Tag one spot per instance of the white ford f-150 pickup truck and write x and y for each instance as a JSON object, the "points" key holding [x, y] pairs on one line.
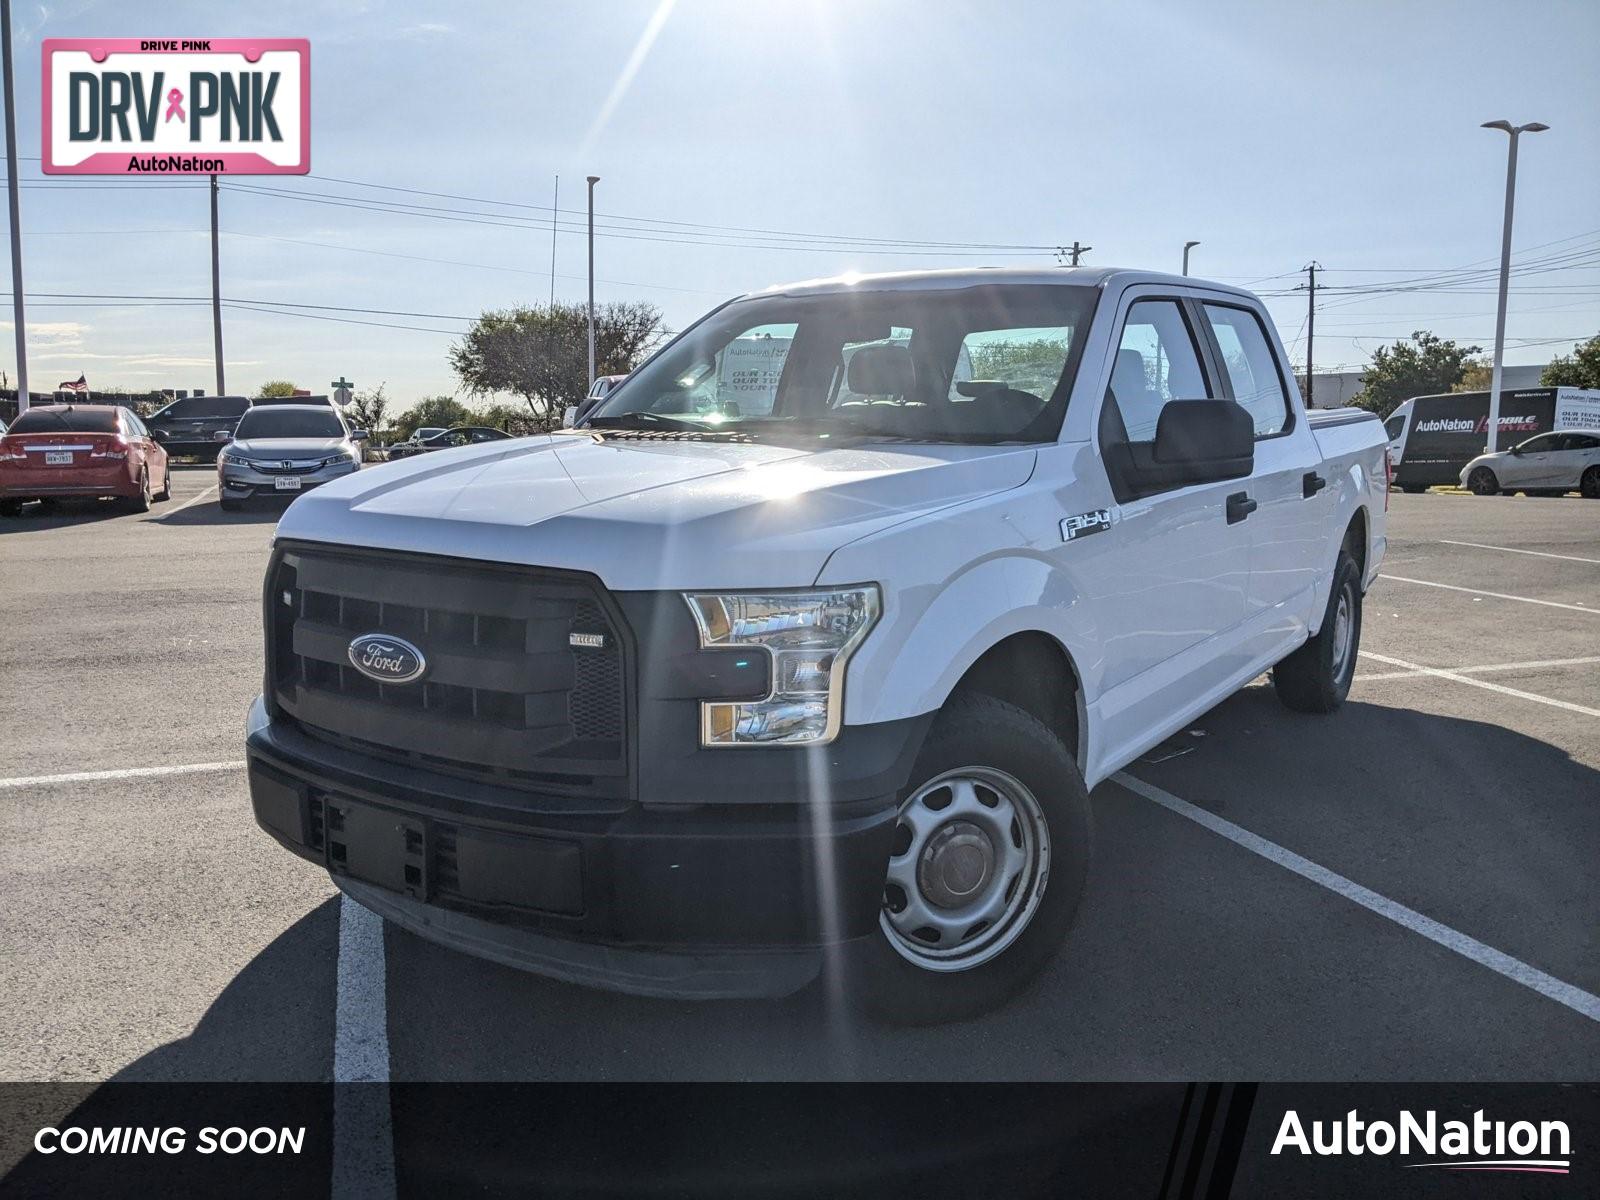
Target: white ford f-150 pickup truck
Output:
{"points": [[801, 652]]}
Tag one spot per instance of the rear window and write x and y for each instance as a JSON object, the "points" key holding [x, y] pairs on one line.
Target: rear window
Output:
{"points": [[73, 420], [289, 423], [202, 407]]}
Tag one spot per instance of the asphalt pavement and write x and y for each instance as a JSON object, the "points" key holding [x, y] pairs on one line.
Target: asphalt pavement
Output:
{"points": [[1405, 890]]}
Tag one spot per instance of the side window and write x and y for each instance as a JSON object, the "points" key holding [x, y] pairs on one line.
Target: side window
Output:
{"points": [[1394, 427], [1251, 367], [1156, 362], [1025, 360], [1582, 441], [135, 425]]}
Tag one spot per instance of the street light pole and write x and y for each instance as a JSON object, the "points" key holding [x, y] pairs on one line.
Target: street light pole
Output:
{"points": [[216, 293], [1187, 246], [18, 316], [1505, 269], [593, 179]]}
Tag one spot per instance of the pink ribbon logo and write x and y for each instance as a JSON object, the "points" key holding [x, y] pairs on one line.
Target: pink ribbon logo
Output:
{"points": [[175, 106]]}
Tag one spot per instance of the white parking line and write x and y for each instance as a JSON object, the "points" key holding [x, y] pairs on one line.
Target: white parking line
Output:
{"points": [[1450, 587], [1534, 665], [1441, 673], [1583, 1003], [363, 1136], [22, 781], [1515, 550], [189, 503]]}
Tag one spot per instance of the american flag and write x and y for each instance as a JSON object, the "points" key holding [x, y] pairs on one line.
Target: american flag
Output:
{"points": [[78, 385]]}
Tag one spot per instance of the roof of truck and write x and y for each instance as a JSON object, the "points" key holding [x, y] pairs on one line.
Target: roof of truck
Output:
{"points": [[960, 277]]}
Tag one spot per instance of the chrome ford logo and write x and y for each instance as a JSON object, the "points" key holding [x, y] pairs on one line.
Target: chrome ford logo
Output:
{"points": [[387, 659]]}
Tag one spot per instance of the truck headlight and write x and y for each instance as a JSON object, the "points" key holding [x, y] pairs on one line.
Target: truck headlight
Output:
{"points": [[809, 636]]}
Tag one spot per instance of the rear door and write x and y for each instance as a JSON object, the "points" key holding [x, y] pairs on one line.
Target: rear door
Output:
{"points": [[1579, 452], [1289, 485]]}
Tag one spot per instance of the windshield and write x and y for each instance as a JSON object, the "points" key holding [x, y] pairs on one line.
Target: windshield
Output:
{"points": [[982, 364], [289, 423], [66, 420]]}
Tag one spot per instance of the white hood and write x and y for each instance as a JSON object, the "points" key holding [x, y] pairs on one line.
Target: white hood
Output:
{"points": [[644, 515]]}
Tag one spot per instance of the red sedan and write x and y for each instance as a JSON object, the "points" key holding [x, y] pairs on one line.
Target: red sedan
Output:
{"points": [[85, 450]]}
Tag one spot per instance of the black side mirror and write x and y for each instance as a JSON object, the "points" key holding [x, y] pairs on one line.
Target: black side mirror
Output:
{"points": [[1517, 450], [1197, 441]]}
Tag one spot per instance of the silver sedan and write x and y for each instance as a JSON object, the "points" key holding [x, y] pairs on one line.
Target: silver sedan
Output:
{"points": [[285, 449], [1557, 462]]}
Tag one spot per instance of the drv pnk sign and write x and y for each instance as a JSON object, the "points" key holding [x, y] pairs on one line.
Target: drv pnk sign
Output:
{"points": [[149, 106]]}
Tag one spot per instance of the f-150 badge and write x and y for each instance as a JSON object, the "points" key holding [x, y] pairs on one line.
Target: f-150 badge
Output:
{"points": [[1082, 525]]}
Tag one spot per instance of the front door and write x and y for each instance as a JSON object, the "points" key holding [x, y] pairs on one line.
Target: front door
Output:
{"points": [[1167, 586]]}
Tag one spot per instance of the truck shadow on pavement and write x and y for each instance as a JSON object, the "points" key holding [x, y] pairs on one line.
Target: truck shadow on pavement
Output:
{"points": [[1469, 809], [272, 1023], [211, 513]]}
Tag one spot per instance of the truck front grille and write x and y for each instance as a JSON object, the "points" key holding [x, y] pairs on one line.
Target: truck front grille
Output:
{"points": [[527, 675]]}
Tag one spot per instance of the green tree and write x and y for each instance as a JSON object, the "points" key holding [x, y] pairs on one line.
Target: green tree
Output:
{"points": [[1580, 369], [1475, 377], [542, 353], [368, 408], [439, 411], [1423, 365], [276, 389]]}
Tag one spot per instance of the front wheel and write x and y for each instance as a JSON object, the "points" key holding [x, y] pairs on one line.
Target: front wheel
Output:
{"points": [[1483, 482], [1316, 678], [989, 861], [166, 485], [1589, 485]]}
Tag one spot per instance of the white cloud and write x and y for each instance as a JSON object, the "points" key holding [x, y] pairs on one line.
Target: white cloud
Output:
{"points": [[52, 333]]}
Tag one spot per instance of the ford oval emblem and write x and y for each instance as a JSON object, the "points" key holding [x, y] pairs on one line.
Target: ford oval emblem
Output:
{"points": [[387, 659]]}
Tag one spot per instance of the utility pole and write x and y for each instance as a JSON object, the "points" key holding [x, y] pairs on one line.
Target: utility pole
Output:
{"points": [[1311, 323], [216, 291], [593, 179], [555, 215], [1187, 246], [18, 315], [1505, 269], [1076, 251]]}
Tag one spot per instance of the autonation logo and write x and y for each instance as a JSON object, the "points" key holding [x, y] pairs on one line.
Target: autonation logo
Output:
{"points": [[1478, 1145]]}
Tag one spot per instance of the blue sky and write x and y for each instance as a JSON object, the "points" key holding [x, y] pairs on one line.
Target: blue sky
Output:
{"points": [[1272, 133]]}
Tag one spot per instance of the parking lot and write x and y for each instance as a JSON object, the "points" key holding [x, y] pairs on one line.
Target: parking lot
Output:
{"points": [[1404, 891]]}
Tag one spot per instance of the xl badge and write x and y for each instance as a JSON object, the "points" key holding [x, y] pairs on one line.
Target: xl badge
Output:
{"points": [[1083, 524], [387, 659]]}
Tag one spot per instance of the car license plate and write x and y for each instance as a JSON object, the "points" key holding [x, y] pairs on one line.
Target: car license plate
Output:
{"points": [[289, 484], [59, 458]]}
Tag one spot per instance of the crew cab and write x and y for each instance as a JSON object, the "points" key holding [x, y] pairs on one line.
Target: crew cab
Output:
{"points": [[755, 676]]}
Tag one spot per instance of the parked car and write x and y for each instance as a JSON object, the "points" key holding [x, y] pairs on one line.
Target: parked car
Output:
{"points": [[446, 439], [407, 446], [1550, 464], [690, 705], [197, 425], [286, 449], [81, 450]]}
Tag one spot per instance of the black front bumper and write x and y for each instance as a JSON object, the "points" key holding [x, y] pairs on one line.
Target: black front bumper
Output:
{"points": [[711, 900]]}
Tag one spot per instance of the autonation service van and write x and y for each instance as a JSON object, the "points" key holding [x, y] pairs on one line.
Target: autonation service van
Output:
{"points": [[1431, 438]]}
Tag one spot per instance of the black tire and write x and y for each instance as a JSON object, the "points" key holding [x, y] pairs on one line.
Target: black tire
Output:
{"points": [[11, 508], [1413, 489], [1483, 482], [1589, 485], [976, 731], [1316, 678], [141, 501], [166, 485]]}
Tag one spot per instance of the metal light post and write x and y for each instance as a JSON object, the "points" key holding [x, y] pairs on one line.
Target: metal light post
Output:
{"points": [[1187, 246], [17, 306], [1505, 269], [593, 179]]}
